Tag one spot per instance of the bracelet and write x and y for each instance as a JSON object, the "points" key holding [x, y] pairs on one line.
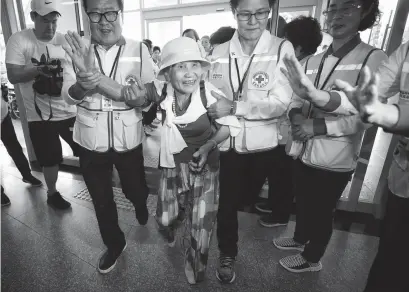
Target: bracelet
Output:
{"points": [[214, 142]]}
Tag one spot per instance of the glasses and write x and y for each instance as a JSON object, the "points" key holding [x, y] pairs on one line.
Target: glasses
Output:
{"points": [[245, 16], [343, 11], [110, 16]]}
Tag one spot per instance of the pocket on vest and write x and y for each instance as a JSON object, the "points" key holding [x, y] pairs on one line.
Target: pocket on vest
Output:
{"points": [[261, 135], [127, 130], [85, 132], [332, 154]]}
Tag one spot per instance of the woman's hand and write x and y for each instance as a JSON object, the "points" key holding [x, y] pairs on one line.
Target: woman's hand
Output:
{"points": [[299, 81], [365, 97], [82, 57], [199, 159]]}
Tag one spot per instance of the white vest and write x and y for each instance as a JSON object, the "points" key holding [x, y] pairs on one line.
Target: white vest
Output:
{"points": [[120, 128], [257, 135], [334, 153]]}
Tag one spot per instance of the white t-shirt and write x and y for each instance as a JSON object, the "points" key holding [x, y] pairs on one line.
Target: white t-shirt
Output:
{"points": [[21, 48]]}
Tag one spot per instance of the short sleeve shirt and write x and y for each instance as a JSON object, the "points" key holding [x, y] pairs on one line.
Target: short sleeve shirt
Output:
{"points": [[23, 48]]}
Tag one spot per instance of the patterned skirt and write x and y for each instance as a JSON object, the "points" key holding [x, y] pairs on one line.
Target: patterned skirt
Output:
{"points": [[189, 201]]}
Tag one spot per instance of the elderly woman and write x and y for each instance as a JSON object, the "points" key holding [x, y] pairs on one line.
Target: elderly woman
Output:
{"points": [[189, 156]]}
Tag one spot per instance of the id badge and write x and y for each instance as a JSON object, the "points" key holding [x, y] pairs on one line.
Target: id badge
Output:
{"points": [[106, 104]]}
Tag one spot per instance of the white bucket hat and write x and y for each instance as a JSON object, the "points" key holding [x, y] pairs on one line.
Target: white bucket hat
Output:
{"points": [[181, 49]]}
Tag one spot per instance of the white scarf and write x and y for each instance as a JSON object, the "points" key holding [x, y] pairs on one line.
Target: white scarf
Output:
{"points": [[172, 141]]}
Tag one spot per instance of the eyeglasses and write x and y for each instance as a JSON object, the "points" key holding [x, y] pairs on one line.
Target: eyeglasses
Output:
{"points": [[110, 16], [245, 16], [343, 11]]}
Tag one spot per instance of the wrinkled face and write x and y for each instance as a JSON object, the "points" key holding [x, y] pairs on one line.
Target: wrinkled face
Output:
{"points": [[343, 18], [206, 44], [106, 33], [185, 76], [251, 27], [45, 26]]}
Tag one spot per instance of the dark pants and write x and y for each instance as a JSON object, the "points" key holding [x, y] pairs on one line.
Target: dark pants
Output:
{"points": [[317, 193], [97, 171], [280, 186], [9, 139], [390, 269], [241, 179]]}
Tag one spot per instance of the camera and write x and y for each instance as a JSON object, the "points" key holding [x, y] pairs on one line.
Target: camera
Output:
{"points": [[52, 83]]}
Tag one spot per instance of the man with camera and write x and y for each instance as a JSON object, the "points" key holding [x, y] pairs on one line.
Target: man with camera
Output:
{"points": [[34, 60]]}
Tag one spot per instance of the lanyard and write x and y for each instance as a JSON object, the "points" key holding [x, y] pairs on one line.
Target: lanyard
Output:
{"points": [[237, 95], [114, 66], [320, 68]]}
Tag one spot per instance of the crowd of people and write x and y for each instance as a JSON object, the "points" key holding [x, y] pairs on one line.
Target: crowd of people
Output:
{"points": [[239, 107]]}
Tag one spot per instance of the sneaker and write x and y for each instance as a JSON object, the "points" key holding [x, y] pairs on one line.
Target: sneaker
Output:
{"points": [[142, 215], [298, 264], [270, 221], [168, 234], [35, 182], [5, 201], [263, 207], [225, 271], [108, 260], [58, 202], [288, 243]]}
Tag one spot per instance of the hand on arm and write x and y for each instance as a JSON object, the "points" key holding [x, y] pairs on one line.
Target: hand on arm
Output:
{"points": [[200, 156], [21, 74], [221, 108]]}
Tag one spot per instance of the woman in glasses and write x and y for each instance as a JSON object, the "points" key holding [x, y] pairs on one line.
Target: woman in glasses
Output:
{"points": [[247, 70], [328, 134]]}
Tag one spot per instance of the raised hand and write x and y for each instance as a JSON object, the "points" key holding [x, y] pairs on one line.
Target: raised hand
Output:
{"points": [[364, 96], [221, 108], [299, 81], [82, 56]]}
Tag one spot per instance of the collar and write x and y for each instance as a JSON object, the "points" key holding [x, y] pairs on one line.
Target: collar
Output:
{"points": [[346, 48], [121, 42], [262, 46]]}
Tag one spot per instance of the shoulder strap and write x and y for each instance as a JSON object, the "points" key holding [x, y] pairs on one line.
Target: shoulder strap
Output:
{"points": [[306, 65], [364, 63], [279, 50], [163, 96], [203, 93], [140, 55]]}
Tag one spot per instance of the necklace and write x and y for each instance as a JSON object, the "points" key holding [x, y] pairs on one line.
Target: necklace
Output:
{"points": [[174, 112]]}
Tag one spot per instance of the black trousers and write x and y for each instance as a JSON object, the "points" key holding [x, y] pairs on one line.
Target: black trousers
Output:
{"points": [[241, 179], [317, 193], [280, 186], [13, 147], [390, 270], [97, 171]]}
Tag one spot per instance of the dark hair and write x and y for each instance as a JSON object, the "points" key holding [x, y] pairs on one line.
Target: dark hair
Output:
{"points": [[156, 48], [120, 4], [280, 26], [222, 35], [148, 43], [304, 32], [194, 33], [235, 3], [373, 16]]}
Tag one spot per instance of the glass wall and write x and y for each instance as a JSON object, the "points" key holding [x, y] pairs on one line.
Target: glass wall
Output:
{"points": [[208, 23]]}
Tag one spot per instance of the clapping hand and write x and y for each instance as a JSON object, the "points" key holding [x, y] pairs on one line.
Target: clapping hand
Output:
{"points": [[299, 81], [82, 56], [198, 161], [364, 96]]}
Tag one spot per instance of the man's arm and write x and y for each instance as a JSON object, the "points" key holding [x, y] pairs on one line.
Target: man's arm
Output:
{"points": [[112, 89], [278, 99], [71, 91]]}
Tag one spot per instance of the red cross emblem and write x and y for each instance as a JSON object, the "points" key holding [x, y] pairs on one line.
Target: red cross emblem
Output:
{"points": [[260, 79]]}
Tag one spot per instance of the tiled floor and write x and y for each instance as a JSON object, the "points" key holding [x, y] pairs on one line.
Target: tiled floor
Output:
{"points": [[47, 250]]}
